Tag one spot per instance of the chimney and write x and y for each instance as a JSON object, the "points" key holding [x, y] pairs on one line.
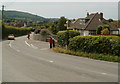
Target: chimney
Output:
{"points": [[87, 14], [67, 23], [101, 16], [73, 19]]}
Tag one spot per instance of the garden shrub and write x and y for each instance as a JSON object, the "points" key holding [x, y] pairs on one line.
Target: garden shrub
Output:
{"points": [[96, 44], [105, 31], [63, 36]]}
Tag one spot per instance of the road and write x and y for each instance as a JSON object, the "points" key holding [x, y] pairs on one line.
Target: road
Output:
{"points": [[32, 61]]}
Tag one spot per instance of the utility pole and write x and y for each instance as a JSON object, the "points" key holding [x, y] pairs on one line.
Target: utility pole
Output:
{"points": [[2, 29], [2, 14]]}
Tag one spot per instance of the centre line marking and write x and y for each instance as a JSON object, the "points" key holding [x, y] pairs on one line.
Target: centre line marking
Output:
{"points": [[51, 61], [27, 43], [10, 44], [18, 50], [34, 46], [104, 73]]}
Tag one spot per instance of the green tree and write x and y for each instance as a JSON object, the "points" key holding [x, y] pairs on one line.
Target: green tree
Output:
{"points": [[61, 23], [44, 32], [52, 26], [110, 20], [99, 29], [53, 29]]}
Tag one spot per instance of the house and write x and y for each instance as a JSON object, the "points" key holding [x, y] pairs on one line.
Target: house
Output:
{"points": [[18, 24], [88, 25]]}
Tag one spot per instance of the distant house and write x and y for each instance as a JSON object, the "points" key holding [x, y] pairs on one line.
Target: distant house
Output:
{"points": [[88, 25], [18, 24]]}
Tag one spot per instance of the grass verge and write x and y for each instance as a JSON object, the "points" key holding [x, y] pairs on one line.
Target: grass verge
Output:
{"points": [[96, 56]]}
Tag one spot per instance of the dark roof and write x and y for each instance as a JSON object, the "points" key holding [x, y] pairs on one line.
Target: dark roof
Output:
{"points": [[75, 24], [92, 24], [90, 16]]}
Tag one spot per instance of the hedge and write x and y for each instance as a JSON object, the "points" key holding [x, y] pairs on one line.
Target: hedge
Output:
{"points": [[96, 44], [15, 30], [64, 36]]}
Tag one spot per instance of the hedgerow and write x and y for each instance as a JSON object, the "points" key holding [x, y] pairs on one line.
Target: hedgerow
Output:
{"points": [[15, 30], [96, 44], [64, 36]]}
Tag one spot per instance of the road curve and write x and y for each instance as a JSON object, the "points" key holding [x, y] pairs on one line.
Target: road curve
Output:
{"points": [[32, 61]]}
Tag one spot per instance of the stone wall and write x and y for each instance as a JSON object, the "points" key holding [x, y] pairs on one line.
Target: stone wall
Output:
{"points": [[39, 37]]}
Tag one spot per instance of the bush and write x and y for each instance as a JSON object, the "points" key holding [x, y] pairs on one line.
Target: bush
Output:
{"points": [[44, 32], [63, 36], [99, 29], [96, 44], [53, 30], [105, 31]]}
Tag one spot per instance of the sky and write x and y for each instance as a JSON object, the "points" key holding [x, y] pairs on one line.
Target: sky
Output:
{"points": [[72, 10]]}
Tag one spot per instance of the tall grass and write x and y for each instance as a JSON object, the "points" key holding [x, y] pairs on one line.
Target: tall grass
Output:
{"points": [[96, 56]]}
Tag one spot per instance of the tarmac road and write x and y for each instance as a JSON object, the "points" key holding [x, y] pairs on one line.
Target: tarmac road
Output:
{"points": [[32, 61]]}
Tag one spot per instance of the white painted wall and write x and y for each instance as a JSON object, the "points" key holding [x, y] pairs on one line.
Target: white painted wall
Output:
{"points": [[85, 33], [81, 32], [119, 30], [114, 32]]}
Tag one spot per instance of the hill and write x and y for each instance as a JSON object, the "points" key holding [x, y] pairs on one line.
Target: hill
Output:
{"points": [[18, 15], [22, 15]]}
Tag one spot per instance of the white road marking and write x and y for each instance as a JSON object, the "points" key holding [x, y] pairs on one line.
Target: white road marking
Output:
{"points": [[18, 50], [27, 43], [10, 44], [104, 73], [47, 60], [31, 45], [34, 46], [51, 61], [92, 71]]}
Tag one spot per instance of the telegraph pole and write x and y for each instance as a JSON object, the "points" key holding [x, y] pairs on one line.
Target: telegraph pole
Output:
{"points": [[2, 15], [2, 29]]}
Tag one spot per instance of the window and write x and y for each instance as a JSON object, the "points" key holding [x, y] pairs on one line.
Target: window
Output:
{"points": [[82, 21], [92, 32]]}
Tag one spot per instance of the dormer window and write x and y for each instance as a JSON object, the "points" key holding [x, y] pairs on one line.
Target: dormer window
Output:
{"points": [[86, 20], [82, 21]]}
